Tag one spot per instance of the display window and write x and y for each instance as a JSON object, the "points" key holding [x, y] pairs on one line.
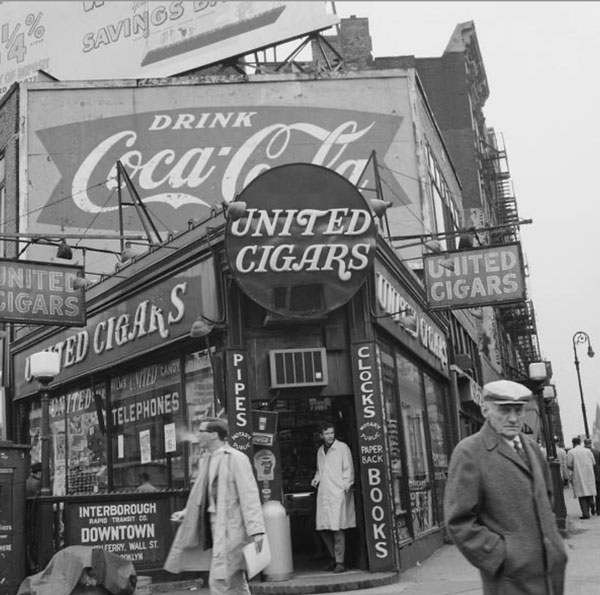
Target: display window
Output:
{"points": [[200, 401], [435, 396], [146, 410], [410, 391], [77, 440], [149, 417], [395, 439]]}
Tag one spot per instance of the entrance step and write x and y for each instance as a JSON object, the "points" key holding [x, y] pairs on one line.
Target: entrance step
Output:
{"points": [[324, 582]]}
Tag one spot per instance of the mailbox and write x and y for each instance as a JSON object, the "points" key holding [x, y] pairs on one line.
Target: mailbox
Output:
{"points": [[14, 465]]}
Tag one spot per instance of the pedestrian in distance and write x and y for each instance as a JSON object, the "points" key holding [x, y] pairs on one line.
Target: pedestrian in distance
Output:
{"points": [[561, 455], [146, 484], [222, 515], [33, 484], [497, 502], [335, 499], [581, 462], [588, 444]]}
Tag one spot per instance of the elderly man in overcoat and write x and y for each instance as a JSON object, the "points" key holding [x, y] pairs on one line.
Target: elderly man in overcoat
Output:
{"points": [[497, 502], [222, 515]]}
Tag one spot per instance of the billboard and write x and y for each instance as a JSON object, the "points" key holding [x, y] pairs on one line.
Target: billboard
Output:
{"points": [[187, 148], [489, 276], [40, 293], [116, 39]]}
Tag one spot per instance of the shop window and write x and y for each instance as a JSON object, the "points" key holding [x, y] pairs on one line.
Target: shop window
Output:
{"points": [[414, 422], [77, 440], [439, 434], [200, 400], [146, 410], [393, 421]]}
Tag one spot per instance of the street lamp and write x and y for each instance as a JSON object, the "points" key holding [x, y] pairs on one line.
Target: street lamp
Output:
{"points": [[538, 373], [545, 394], [581, 337], [44, 367]]}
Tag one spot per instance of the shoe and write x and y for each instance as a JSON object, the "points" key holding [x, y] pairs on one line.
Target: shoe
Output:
{"points": [[331, 566], [339, 568], [585, 517]]}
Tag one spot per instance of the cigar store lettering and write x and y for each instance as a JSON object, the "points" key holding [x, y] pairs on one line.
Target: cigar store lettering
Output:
{"points": [[110, 333], [343, 259], [405, 314]]}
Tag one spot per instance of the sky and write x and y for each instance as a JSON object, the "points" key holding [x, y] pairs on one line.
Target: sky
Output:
{"points": [[541, 64]]}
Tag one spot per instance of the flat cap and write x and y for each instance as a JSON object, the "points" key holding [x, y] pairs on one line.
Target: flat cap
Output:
{"points": [[506, 392]]}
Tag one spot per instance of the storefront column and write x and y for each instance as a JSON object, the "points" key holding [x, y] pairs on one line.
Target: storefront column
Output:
{"points": [[373, 457]]}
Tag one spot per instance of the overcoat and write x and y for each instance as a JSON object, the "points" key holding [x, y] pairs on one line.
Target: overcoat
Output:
{"points": [[239, 516], [498, 512], [581, 461], [335, 499]]}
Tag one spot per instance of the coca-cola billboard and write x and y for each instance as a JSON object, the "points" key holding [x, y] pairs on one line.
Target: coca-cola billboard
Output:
{"points": [[305, 243], [189, 147]]}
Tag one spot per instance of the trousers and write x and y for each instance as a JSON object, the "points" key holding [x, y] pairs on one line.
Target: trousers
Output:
{"points": [[336, 544], [236, 584]]}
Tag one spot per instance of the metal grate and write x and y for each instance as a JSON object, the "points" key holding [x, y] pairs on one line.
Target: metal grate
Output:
{"points": [[298, 367]]}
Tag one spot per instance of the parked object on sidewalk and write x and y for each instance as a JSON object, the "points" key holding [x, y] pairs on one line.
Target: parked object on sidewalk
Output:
{"points": [[79, 569], [498, 501], [581, 461]]}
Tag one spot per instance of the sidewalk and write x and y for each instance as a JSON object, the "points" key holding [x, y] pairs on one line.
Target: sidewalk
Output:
{"points": [[448, 573]]}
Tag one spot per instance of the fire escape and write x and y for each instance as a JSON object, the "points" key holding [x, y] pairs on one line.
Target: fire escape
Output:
{"points": [[517, 320]]}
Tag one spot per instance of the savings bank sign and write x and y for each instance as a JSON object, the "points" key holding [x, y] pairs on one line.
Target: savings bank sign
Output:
{"points": [[305, 242], [183, 162]]}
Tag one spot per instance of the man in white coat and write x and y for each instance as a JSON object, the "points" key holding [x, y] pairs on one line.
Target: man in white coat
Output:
{"points": [[335, 501], [581, 462]]}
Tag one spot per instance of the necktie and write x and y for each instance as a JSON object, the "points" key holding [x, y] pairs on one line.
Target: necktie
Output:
{"points": [[517, 446]]}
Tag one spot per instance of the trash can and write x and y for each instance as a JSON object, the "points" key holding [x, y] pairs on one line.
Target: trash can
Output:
{"points": [[14, 465], [277, 525]]}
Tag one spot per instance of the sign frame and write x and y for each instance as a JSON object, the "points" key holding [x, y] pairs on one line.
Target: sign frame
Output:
{"points": [[70, 273], [459, 271]]}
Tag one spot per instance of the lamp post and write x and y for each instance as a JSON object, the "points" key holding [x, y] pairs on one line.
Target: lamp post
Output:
{"points": [[581, 337], [44, 367], [538, 373]]}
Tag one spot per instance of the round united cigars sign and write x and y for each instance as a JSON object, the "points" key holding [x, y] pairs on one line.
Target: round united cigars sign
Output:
{"points": [[306, 241]]}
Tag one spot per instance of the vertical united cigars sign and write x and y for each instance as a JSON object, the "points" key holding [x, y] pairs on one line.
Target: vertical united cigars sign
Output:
{"points": [[489, 276], [40, 293]]}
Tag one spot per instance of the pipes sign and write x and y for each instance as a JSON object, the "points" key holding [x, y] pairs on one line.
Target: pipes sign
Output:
{"points": [[373, 458], [238, 401], [304, 244]]}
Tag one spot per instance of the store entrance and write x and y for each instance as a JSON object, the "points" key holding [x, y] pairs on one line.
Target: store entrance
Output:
{"points": [[299, 439]]}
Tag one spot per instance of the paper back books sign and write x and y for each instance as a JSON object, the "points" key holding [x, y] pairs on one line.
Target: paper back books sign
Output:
{"points": [[489, 276]]}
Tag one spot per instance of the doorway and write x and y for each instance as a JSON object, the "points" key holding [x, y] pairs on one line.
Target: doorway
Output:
{"points": [[299, 440]]}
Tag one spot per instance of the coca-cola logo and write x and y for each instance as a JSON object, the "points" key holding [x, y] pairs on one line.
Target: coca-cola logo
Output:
{"points": [[305, 243], [184, 162]]}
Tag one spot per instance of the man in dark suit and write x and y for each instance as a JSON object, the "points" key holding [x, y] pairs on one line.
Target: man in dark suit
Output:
{"points": [[497, 502]]}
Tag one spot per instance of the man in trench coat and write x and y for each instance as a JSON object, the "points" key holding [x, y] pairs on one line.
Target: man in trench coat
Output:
{"points": [[222, 515], [497, 502], [335, 501], [581, 462]]}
